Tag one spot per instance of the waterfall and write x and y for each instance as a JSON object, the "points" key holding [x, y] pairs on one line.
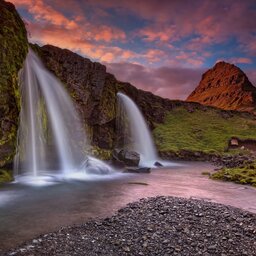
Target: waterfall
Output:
{"points": [[50, 134], [135, 132]]}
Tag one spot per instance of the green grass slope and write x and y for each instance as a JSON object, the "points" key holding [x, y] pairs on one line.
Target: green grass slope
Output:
{"points": [[206, 130]]}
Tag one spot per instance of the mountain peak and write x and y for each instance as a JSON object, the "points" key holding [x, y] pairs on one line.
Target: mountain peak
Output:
{"points": [[225, 86]]}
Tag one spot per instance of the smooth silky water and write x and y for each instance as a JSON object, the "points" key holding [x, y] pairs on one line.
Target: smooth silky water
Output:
{"points": [[27, 211], [135, 134]]}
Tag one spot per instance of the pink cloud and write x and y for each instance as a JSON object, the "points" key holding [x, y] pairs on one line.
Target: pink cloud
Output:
{"points": [[240, 60], [153, 55], [45, 14], [109, 34], [236, 60], [151, 34], [78, 42], [174, 83]]}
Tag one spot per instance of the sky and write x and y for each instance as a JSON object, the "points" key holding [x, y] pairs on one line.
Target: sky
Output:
{"points": [[162, 46]]}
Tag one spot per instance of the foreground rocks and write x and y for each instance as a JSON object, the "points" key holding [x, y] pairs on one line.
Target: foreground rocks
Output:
{"points": [[155, 226]]}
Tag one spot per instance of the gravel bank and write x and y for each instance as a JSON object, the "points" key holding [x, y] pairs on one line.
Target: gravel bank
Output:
{"points": [[155, 226]]}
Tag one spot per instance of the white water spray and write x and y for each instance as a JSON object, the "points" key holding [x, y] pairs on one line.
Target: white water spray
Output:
{"points": [[50, 133], [141, 140]]}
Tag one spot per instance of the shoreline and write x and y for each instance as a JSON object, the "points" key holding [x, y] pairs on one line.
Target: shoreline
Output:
{"points": [[154, 226]]}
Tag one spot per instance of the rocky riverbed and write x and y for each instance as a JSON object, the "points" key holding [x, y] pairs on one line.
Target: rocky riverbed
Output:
{"points": [[155, 226]]}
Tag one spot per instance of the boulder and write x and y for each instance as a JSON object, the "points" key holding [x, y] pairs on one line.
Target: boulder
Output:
{"points": [[117, 163], [129, 158], [124, 157], [95, 166]]}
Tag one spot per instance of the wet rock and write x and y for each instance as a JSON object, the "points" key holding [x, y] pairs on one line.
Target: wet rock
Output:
{"points": [[129, 158], [94, 166], [158, 164]]}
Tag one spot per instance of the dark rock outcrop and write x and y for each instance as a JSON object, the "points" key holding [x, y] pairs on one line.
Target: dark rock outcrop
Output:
{"points": [[158, 164], [225, 86], [13, 50], [129, 158]]}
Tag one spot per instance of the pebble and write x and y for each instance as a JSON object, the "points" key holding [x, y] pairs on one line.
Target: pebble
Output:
{"points": [[141, 228]]}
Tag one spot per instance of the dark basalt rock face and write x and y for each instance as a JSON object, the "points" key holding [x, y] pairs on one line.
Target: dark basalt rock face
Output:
{"points": [[14, 46], [225, 86]]}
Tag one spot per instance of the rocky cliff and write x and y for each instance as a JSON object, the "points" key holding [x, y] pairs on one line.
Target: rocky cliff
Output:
{"points": [[225, 86], [13, 49]]}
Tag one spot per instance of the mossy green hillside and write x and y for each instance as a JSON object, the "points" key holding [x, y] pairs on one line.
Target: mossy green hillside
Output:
{"points": [[241, 175], [206, 130], [14, 46]]}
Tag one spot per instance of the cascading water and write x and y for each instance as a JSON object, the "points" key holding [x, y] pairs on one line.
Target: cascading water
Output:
{"points": [[137, 135], [50, 133]]}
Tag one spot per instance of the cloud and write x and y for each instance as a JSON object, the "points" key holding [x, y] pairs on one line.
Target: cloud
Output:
{"points": [[166, 42], [58, 36], [156, 33], [44, 12], [46, 15], [174, 83], [241, 60], [236, 60]]}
